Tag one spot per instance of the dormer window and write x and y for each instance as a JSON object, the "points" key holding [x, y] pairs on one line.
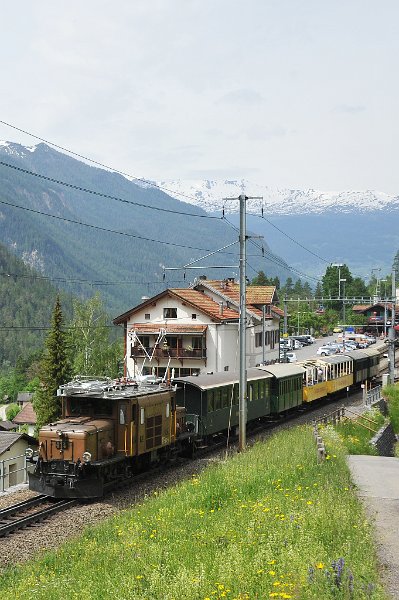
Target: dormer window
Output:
{"points": [[170, 313]]}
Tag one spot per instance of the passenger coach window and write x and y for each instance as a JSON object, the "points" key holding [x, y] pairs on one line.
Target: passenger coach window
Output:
{"points": [[211, 407], [217, 399]]}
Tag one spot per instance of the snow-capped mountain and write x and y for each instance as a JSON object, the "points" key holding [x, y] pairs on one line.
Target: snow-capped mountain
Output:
{"points": [[210, 195]]}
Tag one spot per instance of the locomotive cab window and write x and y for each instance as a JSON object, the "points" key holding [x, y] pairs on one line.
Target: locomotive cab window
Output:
{"points": [[82, 407], [122, 414]]}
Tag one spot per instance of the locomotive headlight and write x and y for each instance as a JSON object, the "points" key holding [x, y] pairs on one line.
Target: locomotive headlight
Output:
{"points": [[86, 457], [29, 452]]}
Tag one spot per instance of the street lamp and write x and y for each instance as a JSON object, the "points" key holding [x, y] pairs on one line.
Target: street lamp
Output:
{"points": [[343, 313], [385, 307], [339, 265]]}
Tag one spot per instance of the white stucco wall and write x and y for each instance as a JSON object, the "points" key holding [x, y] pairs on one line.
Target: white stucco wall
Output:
{"points": [[14, 458]]}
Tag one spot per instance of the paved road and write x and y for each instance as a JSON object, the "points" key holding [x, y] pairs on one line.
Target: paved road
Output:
{"points": [[377, 478]]}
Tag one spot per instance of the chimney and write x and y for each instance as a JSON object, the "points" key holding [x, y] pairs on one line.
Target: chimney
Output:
{"points": [[221, 309]]}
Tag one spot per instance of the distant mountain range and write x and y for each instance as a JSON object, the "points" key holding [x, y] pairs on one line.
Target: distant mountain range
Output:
{"points": [[278, 201], [116, 244], [359, 228]]}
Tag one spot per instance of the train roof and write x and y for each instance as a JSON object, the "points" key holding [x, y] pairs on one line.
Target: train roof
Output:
{"points": [[283, 369], [102, 387], [356, 354], [205, 382], [372, 351], [336, 358]]}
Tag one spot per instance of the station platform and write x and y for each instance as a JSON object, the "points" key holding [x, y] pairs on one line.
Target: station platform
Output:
{"points": [[377, 480]]}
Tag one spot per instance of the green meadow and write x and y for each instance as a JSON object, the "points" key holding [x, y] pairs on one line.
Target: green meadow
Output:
{"points": [[268, 523]]}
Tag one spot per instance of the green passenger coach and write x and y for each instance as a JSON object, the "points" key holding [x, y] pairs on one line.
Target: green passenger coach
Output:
{"points": [[214, 399], [286, 386]]}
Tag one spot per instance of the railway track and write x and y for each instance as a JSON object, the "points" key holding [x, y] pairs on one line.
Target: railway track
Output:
{"points": [[29, 512]]}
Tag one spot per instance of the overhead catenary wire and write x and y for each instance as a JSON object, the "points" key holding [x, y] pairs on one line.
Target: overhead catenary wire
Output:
{"points": [[102, 195], [270, 255], [163, 188], [99, 164], [273, 258], [124, 233], [80, 280]]}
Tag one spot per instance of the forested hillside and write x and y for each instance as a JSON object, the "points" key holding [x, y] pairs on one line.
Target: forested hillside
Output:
{"points": [[122, 266], [25, 309]]}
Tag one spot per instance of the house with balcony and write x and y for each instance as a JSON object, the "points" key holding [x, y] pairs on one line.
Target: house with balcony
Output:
{"points": [[187, 331], [379, 316]]}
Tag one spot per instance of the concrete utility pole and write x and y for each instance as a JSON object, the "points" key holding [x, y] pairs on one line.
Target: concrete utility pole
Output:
{"points": [[242, 419], [338, 265], [391, 334], [242, 414], [343, 313]]}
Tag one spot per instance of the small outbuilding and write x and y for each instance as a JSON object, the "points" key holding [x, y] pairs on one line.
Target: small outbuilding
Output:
{"points": [[12, 457]]}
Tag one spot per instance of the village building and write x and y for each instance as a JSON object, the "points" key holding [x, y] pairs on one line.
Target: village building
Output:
{"points": [[27, 417], [12, 458], [195, 330], [379, 316]]}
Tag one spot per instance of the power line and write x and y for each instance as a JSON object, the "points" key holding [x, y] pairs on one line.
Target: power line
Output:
{"points": [[273, 258], [141, 179], [290, 238], [102, 195], [47, 327], [131, 235], [72, 280]]}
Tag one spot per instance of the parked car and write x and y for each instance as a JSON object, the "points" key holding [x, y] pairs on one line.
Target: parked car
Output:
{"points": [[295, 343], [289, 356], [302, 339], [326, 350]]}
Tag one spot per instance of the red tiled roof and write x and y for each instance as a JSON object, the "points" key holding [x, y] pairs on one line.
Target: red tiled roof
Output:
{"points": [[169, 327], [277, 310], [206, 304], [364, 307], [26, 415], [199, 300], [360, 307], [194, 298], [256, 295]]}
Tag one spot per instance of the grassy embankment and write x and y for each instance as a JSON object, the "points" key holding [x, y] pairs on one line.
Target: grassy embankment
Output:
{"points": [[269, 523]]}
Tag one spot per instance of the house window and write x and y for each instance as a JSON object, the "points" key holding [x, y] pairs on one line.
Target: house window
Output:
{"points": [[196, 343], [194, 316], [145, 340], [258, 339], [226, 368], [172, 342], [170, 313], [147, 316]]}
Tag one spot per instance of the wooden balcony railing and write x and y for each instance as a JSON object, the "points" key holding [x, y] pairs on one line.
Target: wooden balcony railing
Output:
{"points": [[179, 353]]}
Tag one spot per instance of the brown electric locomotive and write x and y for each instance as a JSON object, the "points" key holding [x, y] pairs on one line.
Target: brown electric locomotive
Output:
{"points": [[108, 432]]}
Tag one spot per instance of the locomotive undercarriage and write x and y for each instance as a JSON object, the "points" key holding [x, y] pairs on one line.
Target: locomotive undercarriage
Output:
{"points": [[65, 479]]}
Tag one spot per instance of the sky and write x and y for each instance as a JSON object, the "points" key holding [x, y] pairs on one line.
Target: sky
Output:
{"points": [[288, 93]]}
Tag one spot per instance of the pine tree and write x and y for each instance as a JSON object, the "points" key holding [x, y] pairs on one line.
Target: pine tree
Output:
{"points": [[55, 371], [260, 279]]}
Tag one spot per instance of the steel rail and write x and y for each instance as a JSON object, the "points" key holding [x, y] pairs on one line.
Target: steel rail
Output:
{"points": [[24, 521]]}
